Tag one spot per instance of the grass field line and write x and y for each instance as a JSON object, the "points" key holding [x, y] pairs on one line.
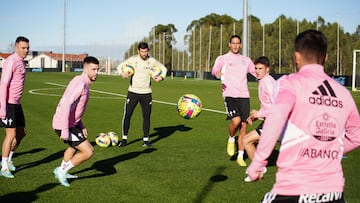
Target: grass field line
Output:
{"points": [[122, 95]]}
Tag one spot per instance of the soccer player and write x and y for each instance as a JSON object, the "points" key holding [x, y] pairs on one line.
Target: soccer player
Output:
{"points": [[67, 120], [139, 90], [265, 94], [11, 112], [232, 68], [318, 121]]}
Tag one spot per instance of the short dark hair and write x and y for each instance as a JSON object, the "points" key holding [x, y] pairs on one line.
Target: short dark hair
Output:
{"points": [[263, 60], [21, 39], [143, 45], [235, 36], [312, 44], [91, 59]]}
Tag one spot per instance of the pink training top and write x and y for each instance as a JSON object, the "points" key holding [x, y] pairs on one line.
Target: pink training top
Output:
{"points": [[12, 82], [234, 69], [72, 105], [265, 92], [320, 122]]}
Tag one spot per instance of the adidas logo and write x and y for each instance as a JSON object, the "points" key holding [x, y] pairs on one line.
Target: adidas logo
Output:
{"points": [[325, 95]]}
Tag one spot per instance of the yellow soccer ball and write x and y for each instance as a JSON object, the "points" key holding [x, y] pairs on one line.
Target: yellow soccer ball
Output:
{"points": [[189, 106]]}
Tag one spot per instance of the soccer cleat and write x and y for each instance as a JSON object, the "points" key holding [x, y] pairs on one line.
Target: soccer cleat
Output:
{"points": [[71, 176], [122, 143], [248, 179], [241, 161], [231, 148], [6, 174], [11, 166], [147, 144], [61, 177]]}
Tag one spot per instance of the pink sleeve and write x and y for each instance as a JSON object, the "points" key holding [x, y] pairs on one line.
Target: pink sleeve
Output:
{"points": [[5, 82], [266, 99], [251, 68], [217, 66], [71, 94], [273, 127]]}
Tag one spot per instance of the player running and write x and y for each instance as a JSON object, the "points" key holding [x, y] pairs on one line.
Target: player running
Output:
{"points": [[67, 120], [232, 68]]}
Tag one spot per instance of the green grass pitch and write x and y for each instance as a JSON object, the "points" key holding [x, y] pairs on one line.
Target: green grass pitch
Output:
{"points": [[187, 164]]}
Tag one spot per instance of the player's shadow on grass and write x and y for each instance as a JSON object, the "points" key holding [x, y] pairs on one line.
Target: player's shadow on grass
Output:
{"points": [[32, 151], [45, 160], [107, 166], [29, 196], [217, 177], [164, 132]]}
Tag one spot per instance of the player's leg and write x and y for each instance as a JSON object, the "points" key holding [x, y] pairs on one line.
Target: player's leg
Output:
{"points": [[129, 107], [10, 134], [233, 116], [15, 121], [244, 109], [146, 106], [69, 153], [84, 152], [248, 141], [77, 152], [233, 127], [20, 134], [241, 149], [20, 127]]}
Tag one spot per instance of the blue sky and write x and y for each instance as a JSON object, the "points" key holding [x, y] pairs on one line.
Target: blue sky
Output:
{"points": [[108, 27]]}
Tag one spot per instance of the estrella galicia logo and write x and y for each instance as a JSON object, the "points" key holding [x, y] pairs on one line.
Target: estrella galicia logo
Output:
{"points": [[325, 95]]}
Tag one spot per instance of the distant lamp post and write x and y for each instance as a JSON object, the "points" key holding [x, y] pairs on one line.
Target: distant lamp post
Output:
{"points": [[63, 50]]}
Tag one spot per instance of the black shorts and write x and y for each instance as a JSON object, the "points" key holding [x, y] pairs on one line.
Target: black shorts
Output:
{"points": [[330, 197], [76, 136], [237, 107], [14, 117]]}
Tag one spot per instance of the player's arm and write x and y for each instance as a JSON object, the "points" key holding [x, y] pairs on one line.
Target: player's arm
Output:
{"points": [[66, 104], [163, 71], [266, 101], [273, 127], [216, 70], [251, 68], [4, 85]]}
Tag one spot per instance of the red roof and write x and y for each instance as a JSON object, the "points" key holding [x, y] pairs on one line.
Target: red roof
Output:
{"points": [[68, 57], [4, 55], [56, 56]]}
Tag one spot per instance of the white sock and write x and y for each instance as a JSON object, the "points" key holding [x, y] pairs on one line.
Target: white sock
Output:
{"points": [[240, 154], [66, 166], [231, 139], [10, 155], [4, 163], [63, 164], [124, 137]]}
